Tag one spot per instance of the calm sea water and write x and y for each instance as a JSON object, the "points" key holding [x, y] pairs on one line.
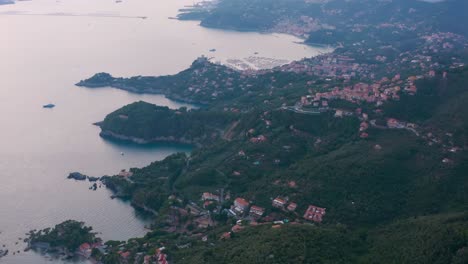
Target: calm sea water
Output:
{"points": [[48, 45]]}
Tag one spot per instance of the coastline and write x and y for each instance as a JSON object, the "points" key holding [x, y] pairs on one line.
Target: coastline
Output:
{"points": [[132, 89], [107, 134]]}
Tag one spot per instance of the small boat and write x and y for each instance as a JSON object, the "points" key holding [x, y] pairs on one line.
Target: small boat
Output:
{"points": [[48, 106]]}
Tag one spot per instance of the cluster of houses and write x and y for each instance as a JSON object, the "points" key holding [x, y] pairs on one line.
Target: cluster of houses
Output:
{"points": [[314, 213], [442, 40], [258, 139], [159, 257], [378, 92], [242, 208], [328, 66], [86, 249], [282, 203], [300, 27]]}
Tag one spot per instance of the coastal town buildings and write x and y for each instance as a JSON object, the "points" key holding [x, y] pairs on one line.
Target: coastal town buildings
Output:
{"points": [[314, 213], [240, 205], [210, 197], [279, 203], [292, 207], [256, 211]]}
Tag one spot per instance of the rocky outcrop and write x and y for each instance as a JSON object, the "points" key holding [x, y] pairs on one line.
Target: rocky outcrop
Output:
{"points": [[77, 176], [81, 177], [93, 179], [3, 253]]}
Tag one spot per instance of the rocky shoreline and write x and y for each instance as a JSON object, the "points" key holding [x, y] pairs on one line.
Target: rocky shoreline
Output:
{"points": [[81, 177], [121, 85], [111, 135]]}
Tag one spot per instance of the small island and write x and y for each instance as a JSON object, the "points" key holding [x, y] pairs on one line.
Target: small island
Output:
{"points": [[48, 106], [77, 176]]}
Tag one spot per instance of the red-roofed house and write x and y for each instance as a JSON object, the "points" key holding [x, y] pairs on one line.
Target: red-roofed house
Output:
{"points": [[85, 250], [240, 205], [85, 246], [237, 228], [258, 139], [256, 211], [226, 235], [210, 197], [279, 203], [125, 254], [314, 213], [393, 123], [162, 259], [207, 203], [292, 207]]}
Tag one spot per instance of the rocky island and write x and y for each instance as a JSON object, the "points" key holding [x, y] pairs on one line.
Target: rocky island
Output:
{"points": [[77, 176]]}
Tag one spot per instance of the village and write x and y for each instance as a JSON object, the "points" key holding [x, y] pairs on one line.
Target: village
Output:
{"points": [[244, 212], [201, 216]]}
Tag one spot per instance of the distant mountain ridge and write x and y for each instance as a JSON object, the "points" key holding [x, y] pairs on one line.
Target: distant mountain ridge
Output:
{"points": [[332, 16]]}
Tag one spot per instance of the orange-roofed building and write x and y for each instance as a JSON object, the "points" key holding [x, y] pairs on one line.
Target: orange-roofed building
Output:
{"points": [[210, 197], [85, 246], [226, 235], [314, 213], [125, 254], [279, 203], [237, 228], [240, 205], [256, 211], [292, 207]]}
